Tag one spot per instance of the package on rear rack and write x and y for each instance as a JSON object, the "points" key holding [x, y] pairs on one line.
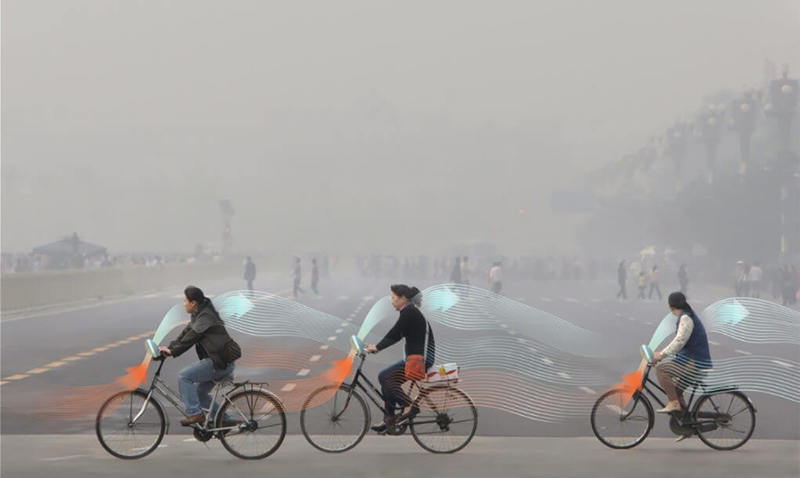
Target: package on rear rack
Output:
{"points": [[442, 373]]}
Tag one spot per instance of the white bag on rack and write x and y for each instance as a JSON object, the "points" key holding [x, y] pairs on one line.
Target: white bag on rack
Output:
{"points": [[442, 373]]}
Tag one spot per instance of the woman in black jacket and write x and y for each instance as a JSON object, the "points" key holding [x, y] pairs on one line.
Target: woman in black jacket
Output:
{"points": [[215, 348], [412, 326]]}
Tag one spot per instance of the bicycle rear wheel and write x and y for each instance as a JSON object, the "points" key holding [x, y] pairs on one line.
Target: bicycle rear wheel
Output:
{"points": [[130, 426], [261, 428], [725, 421], [447, 420], [334, 419], [621, 421]]}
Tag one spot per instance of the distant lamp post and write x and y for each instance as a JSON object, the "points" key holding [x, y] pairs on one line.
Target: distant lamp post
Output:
{"points": [[676, 147], [709, 131], [226, 209], [742, 119], [782, 105]]}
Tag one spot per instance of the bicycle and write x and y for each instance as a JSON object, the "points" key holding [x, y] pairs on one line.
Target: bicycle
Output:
{"points": [[131, 424], [335, 419], [622, 421]]}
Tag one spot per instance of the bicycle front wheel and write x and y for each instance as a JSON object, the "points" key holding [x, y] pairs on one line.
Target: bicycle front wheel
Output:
{"points": [[334, 419], [622, 421], [129, 425], [446, 422], [257, 424], [725, 421]]}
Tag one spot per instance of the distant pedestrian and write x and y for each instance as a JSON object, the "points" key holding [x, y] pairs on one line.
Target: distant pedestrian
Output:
{"points": [[249, 272], [683, 279], [622, 278], [297, 276], [755, 277], [314, 276], [496, 277], [654, 283], [465, 270], [455, 274], [642, 284]]}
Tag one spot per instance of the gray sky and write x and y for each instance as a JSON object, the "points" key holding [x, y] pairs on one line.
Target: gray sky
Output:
{"points": [[380, 126]]}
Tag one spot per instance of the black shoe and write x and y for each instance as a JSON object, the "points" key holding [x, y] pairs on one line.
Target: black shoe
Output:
{"points": [[229, 422], [413, 412]]}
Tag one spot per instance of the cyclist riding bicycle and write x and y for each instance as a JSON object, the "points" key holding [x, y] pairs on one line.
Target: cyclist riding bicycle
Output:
{"points": [[216, 350], [688, 354], [412, 326]]}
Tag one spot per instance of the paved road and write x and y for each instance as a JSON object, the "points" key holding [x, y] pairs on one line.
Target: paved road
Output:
{"points": [[77, 456], [45, 356]]}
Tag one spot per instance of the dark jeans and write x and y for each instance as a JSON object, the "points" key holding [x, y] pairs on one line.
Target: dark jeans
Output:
{"points": [[392, 379]]}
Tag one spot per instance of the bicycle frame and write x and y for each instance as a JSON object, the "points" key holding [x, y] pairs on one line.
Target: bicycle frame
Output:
{"points": [[158, 386], [373, 391]]}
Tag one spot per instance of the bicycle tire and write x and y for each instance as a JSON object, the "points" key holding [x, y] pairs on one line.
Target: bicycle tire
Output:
{"points": [[706, 436], [637, 398], [267, 404], [102, 423], [442, 419], [309, 404]]}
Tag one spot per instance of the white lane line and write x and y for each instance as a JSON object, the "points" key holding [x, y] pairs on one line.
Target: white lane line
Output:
{"points": [[522, 341], [504, 326], [343, 297], [783, 364], [150, 296], [60, 458], [55, 364], [564, 375], [185, 440], [324, 347], [288, 387], [178, 296], [3, 382], [647, 322], [345, 324], [86, 354], [18, 376], [588, 390], [315, 358], [512, 332], [339, 331], [570, 299], [743, 352], [713, 343], [71, 359], [303, 372], [37, 370], [547, 361], [331, 338], [367, 298], [546, 299]]}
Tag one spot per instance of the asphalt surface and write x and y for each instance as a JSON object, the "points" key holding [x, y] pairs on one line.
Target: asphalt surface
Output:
{"points": [[50, 358]]}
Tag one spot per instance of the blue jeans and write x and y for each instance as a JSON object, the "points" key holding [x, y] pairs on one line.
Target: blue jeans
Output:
{"points": [[195, 383], [391, 379]]}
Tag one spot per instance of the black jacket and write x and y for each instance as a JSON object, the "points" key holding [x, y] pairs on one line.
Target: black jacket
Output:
{"points": [[206, 331], [411, 326]]}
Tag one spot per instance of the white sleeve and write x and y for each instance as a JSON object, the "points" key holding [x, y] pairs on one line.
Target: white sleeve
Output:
{"points": [[685, 327]]}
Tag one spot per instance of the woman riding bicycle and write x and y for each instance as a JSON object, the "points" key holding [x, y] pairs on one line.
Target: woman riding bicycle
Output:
{"points": [[412, 326], [688, 353], [215, 348]]}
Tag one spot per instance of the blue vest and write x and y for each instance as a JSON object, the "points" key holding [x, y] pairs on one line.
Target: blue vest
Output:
{"points": [[696, 349]]}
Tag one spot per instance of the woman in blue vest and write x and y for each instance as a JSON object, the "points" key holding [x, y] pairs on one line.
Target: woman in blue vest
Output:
{"points": [[686, 359]]}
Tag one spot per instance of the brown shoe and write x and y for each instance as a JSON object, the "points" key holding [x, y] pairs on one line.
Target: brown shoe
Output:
{"points": [[193, 420]]}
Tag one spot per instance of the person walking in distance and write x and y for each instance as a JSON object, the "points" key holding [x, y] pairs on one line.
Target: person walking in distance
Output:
{"points": [[755, 277], [297, 276], [249, 272], [642, 284], [654, 283], [622, 277], [314, 276], [455, 274], [683, 279], [496, 277]]}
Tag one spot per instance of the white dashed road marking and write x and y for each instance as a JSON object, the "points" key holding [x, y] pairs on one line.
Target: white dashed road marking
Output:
{"points": [[588, 390], [315, 358], [303, 372], [288, 387], [743, 352]]}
